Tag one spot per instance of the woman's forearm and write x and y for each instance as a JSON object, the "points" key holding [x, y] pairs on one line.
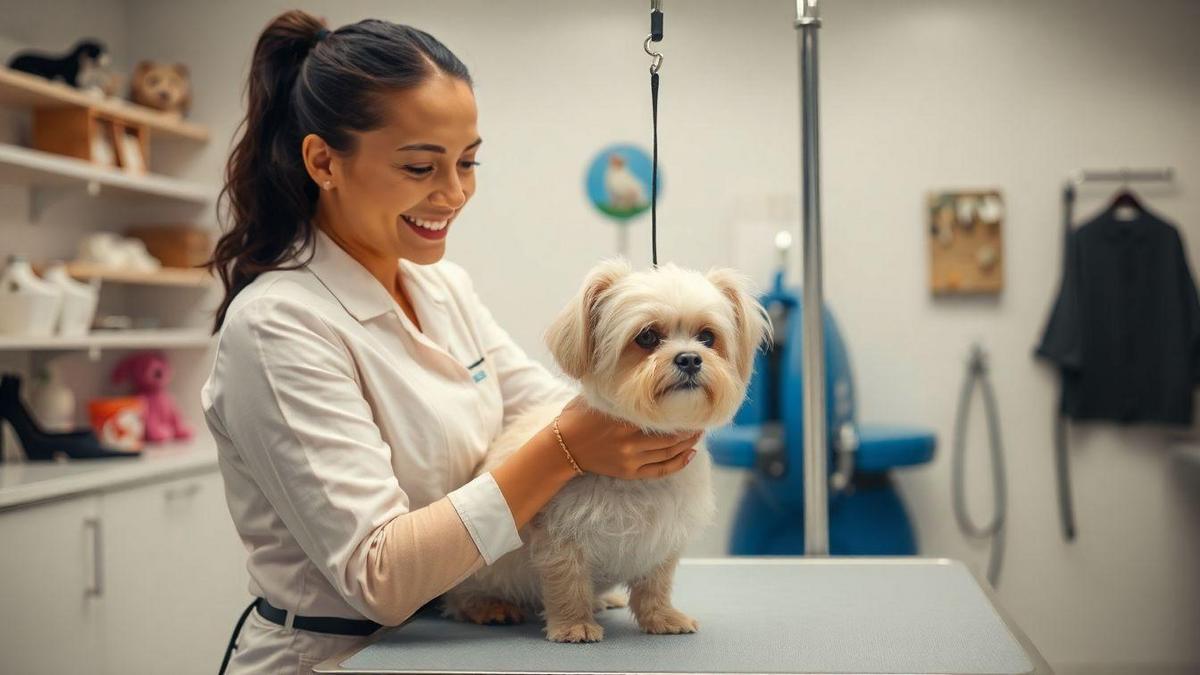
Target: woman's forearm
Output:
{"points": [[532, 475], [414, 558], [426, 552]]}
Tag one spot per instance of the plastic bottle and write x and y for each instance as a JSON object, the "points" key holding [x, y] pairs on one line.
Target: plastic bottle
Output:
{"points": [[53, 401]]}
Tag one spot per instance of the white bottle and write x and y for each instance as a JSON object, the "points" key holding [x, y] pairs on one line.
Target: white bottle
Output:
{"points": [[53, 402], [29, 307], [79, 301]]}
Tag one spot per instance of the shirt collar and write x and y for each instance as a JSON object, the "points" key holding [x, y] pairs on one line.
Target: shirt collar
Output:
{"points": [[1135, 229], [354, 287], [360, 293]]}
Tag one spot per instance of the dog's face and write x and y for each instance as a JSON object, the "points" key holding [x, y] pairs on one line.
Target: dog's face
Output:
{"points": [[667, 349]]}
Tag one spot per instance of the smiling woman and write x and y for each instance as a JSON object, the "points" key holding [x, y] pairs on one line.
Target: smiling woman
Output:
{"points": [[383, 171], [358, 378]]}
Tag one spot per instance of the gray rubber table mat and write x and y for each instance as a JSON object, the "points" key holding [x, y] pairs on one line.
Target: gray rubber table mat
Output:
{"points": [[756, 616]]}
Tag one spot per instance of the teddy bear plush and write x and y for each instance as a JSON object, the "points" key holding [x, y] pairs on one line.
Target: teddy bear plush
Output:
{"points": [[150, 372], [161, 86]]}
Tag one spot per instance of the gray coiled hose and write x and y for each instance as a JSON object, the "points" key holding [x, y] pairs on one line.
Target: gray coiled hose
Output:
{"points": [[977, 371]]}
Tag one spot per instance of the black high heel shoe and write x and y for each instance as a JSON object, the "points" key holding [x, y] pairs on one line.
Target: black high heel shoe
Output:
{"points": [[43, 445]]}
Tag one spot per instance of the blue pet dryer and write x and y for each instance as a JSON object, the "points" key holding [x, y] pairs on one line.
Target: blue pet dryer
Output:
{"points": [[866, 515]]}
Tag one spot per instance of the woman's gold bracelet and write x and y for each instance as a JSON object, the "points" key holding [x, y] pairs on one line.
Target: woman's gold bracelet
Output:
{"points": [[571, 459]]}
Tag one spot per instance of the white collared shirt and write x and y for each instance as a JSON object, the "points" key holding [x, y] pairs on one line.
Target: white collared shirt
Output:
{"points": [[333, 415]]}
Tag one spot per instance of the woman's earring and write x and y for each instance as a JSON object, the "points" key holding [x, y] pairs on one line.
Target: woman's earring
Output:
{"points": [[328, 184]]}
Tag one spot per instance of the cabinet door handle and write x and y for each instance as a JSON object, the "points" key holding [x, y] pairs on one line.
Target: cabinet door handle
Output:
{"points": [[182, 492], [97, 587]]}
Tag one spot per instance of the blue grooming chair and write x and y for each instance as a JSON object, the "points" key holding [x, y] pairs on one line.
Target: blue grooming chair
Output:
{"points": [[866, 515]]}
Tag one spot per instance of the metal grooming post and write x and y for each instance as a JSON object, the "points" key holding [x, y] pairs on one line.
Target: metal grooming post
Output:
{"points": [[816, 506]]}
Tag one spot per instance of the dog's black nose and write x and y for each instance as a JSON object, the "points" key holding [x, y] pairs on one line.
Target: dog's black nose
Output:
{"points": [[688, 362]]}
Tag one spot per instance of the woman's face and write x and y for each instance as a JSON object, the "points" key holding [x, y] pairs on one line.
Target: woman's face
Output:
{"points": [[398, 192]]}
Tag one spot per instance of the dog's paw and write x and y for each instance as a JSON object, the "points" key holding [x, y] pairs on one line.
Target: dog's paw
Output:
{"points": [[669, 621], [492, 611], [613, 600], [575, 632]]}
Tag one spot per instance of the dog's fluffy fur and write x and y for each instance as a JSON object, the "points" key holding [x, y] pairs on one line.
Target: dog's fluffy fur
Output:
{"points": [[599, 532]]}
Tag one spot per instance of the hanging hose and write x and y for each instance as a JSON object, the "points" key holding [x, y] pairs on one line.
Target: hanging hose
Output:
{"points": [[977, 371]]}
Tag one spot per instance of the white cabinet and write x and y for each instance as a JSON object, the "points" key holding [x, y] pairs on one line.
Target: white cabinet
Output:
{"points": [[175, 577], [49, 580], [146, 579]]}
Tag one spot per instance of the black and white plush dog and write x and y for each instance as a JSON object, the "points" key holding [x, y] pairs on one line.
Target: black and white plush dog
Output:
{"points": [[86, 55]]}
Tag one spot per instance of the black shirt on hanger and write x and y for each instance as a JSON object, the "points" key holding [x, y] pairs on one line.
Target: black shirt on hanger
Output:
{"points": [[1125, 328]]}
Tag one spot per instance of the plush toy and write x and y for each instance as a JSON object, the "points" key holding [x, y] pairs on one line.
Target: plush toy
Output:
{"points": [[86, 57], [161, 86], [149, 372], [112, 250], [99, 81]]}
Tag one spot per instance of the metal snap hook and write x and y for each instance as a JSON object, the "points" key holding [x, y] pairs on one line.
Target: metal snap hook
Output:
{"points": [[658, 58]]}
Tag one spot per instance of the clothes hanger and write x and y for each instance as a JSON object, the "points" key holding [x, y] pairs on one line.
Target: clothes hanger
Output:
{"points": [[1125, 198]]}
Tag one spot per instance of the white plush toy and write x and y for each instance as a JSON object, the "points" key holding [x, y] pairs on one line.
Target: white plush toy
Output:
{"points": [[112, 250]]}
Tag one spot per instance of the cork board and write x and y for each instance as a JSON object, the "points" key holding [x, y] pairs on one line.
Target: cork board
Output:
{"points": [[966, 245]]}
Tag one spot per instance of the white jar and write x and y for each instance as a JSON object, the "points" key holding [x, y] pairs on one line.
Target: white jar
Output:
{"points": [[29, 307], [79, 301]]}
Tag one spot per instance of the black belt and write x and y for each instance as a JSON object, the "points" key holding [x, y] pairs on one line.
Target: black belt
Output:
{"points": [[318, 624]]}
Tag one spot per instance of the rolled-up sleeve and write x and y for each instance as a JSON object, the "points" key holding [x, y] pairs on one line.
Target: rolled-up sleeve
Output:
{"points": [[292, 406], [487, 516]]}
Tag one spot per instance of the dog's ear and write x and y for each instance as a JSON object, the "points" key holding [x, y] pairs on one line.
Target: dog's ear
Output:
{"points": [[750, 317], [570, 336]]}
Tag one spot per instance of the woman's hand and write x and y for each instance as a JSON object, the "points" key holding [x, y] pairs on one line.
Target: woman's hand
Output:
{"points": [[611, 447]]}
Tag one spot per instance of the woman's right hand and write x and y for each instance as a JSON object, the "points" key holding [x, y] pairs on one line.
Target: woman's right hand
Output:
{"points": [[612, 447]]}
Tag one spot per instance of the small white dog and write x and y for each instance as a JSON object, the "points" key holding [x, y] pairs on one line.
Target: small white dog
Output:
{"points": [[668, 350]]}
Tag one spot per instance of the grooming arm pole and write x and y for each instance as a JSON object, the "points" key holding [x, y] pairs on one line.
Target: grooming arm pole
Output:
{"points": [[816, 505]]}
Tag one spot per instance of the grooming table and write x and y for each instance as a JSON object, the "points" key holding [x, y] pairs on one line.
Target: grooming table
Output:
{"points": [[757, 615]]}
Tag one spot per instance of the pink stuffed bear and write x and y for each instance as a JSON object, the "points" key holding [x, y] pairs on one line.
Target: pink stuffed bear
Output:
{"points": [[150, 373]]}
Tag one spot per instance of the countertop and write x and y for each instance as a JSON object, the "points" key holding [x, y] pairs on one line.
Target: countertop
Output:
{"points": [[25, 483]]}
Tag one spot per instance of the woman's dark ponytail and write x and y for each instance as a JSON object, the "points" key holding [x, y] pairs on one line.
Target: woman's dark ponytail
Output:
{"points": [[298, 71]]}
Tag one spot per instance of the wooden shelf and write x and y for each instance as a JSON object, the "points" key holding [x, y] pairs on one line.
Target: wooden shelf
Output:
{"points": [[164, 338], [166, 276], [23, 89], [37, 169]]}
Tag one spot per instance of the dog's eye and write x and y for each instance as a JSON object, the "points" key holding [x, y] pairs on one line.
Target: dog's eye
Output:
{"points": [[707, 338], [648, 339]]}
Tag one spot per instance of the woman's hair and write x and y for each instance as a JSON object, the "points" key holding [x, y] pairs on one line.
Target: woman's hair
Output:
{"points": [[305, 80]]}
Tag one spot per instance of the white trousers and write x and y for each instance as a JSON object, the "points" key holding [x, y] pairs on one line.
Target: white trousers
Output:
{"points": [[265, 648]]}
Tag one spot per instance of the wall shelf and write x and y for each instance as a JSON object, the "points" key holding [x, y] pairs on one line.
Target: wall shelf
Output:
{"points": [[166, 276], [164, 338], [48, 175], [22, 89]]}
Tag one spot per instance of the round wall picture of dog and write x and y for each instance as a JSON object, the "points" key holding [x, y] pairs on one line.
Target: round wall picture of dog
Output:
{"points": [[618, 181]]}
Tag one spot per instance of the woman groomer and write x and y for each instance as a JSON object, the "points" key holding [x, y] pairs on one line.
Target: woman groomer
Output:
{"points": [[358, 378]]}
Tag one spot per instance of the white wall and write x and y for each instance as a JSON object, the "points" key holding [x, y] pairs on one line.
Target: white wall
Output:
{"points": [[916, 95], [1014, 95]]}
